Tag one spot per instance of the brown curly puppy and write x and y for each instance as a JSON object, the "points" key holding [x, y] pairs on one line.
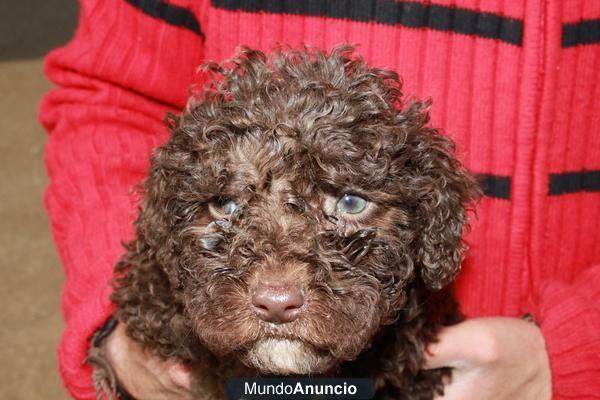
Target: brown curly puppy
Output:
{"points": [[300, 220]]}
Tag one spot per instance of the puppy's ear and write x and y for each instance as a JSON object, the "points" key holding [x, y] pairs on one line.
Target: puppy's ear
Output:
{"points": [[146, 282], [442, 191]]}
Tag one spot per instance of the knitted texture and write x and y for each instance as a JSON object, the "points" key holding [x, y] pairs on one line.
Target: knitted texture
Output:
{"points": [[514, 83]]}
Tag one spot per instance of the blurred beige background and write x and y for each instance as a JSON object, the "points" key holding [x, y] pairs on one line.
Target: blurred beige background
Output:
{"points": [[31, 275]]}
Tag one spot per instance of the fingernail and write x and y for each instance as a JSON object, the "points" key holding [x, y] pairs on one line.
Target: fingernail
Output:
{"points": [[181, 376]]}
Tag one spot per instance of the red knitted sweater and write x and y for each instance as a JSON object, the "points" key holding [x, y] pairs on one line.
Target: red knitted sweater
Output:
{"points": [[515, 83]]}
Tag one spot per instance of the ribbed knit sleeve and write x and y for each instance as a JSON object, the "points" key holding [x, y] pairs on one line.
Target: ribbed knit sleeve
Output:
{"points": [[569, 317], [125, 67], [563, 263]]}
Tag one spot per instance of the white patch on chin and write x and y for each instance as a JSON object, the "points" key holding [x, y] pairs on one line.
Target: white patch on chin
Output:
{"points": [[285, 357]]}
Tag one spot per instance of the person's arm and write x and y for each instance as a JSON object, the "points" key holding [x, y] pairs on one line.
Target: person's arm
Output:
{"points": [[116, 78]]}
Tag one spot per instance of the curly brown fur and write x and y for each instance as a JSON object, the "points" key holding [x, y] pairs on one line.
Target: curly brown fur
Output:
{"points": [[286, 136]]}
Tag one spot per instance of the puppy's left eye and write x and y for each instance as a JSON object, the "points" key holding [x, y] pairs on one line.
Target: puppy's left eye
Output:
{"points": [[351, 204], [222, 207]]}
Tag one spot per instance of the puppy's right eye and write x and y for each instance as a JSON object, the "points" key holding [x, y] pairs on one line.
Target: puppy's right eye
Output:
{"points": [[222, 207]]}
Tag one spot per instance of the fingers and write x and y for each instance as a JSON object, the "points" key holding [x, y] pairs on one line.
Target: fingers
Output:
{"points": [[143, 374], [459, 346], [446, 350]]}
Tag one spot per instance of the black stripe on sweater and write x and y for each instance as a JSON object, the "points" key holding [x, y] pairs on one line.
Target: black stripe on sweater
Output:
{"points": [[389, 12], [495, 185], [583, 32], [172, 15], [573, 182]]}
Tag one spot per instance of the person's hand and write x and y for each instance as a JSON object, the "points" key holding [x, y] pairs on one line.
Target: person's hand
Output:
{"points": [[493, 358], [144, 375]]}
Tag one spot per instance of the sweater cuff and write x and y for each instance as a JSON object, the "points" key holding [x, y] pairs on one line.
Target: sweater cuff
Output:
{"points": [[569, 318], [81, 325]]}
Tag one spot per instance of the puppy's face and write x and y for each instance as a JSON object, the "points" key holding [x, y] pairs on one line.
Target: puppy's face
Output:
{"points": [[296, 211], [296, 255]]}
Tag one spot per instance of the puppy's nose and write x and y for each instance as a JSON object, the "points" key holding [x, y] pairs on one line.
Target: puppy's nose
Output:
{"points": [[277, 302]]}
